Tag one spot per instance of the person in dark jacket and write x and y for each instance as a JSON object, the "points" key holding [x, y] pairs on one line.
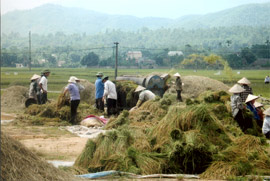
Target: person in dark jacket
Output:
{"points": [[178, 86], [250, 105]]}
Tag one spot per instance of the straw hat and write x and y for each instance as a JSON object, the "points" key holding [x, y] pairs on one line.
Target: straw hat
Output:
{"points": [[267, 112], [72, 79], [35, 76], [99, 74], [251, 98], [236, 89], [244, 80], [257, 104], [139, 88], [177, 75]]}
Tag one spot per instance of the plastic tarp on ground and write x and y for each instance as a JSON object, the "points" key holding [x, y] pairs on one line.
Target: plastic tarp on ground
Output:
{"points": [[113, 172]]}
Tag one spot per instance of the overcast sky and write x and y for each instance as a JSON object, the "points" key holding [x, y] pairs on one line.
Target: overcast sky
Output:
{"points": [[139, 8]]}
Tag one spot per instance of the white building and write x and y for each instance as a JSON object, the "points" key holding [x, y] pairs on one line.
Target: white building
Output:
{"points": [[174, 53]]}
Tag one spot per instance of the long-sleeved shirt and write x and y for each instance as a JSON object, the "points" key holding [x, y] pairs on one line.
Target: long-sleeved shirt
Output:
{"points": [[178, 84], [244, 95], [33, 89], [146, 95], [99, 88], [266, 125], [236, 104], [110, 90], [73, 91], [252, 108]]}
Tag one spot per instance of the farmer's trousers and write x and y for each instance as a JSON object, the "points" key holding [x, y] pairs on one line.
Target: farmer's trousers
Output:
{"points": [[179, 97], [100, 104], [73, 110], [111, 106], [43, 98]]}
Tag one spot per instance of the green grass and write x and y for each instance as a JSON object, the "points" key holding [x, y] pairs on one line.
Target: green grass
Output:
{"points": [[59, 76]]}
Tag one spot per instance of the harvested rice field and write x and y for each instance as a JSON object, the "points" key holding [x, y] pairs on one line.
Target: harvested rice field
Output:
{"points": [[197, 137]]}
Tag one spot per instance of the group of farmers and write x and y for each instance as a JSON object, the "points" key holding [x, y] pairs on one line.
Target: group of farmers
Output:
{"points": [[38, 87], [105, 90], [242, 99]]}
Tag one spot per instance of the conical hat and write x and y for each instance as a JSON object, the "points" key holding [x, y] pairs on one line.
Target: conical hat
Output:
{"points": [[251, 97], [267, 112], [257, 104], [244, 80], [177, 75], [139, 88], [236, 89], [35, 76]]}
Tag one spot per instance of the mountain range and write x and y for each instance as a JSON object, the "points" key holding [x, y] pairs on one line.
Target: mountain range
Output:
{"points": [[51, 18]]}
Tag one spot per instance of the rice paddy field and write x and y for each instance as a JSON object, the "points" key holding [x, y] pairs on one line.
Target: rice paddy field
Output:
{"points": [[59, 76]]}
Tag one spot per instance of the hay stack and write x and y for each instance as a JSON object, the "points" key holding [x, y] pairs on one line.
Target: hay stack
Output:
{"points": [[88, 94], [126, 97], [173, 138], [19, 163], [195, 85], [13, 98]]}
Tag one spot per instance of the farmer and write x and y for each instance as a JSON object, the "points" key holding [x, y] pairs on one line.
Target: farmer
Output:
{"points": [[110, 95], [237, 105], [74, 98], [266, 123], [259, 110], [267, 79], [178, 86], [244, 82], [33, 86], [250, 105], [99, 86], [44, 87], [144, 95]]}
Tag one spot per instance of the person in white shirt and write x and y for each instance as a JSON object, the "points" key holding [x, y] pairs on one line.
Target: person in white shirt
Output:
{"points": [[267, 79], [144, 95], [44, 87], [266, 123], [110, 95]]}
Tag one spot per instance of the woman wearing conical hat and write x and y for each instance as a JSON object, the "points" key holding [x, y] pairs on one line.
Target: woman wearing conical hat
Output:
{"points": [[237, 105], [259, 110], [244, 82], [178, 86], [266, 123], [33, 86], [250, 105]]}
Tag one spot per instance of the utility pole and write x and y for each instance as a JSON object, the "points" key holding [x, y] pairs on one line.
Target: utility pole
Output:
{"points": [[29, 63], [268, 47], [116, 59]]}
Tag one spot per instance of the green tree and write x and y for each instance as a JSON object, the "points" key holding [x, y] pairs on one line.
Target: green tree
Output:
{"points": [[91, 59], [247, 55], [75, 58]]}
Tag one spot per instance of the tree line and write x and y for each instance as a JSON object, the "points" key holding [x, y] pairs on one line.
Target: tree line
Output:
{"points": [[240, 46]]}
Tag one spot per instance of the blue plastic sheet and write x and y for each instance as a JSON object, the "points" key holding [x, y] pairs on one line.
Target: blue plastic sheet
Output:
{"points": [[98, 174]]}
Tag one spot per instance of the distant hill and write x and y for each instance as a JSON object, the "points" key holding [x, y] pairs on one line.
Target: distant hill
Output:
{"points": [[51, 18]]}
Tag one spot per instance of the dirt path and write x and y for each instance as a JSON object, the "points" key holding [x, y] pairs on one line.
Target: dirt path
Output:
{"points": [[50, 143]]}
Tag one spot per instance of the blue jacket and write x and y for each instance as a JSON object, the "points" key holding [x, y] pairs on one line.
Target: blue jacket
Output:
{"points": [[253, 109], [99, 88]]}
